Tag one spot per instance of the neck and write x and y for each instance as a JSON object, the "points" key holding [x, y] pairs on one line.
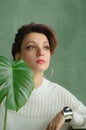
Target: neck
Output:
{"points": [[37, 79]]}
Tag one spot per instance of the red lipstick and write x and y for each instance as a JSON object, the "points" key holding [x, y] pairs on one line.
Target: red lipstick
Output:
{"points": [[40, 61]]}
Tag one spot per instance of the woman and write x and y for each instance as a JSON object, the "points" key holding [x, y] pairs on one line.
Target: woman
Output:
{"points": [[50, 106]]}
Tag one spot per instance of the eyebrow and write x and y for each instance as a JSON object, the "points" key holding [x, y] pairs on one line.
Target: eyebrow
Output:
{"points": [[35, 42]]}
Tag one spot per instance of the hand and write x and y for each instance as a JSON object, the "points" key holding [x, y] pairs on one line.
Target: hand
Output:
{"points": [[57, 122]]}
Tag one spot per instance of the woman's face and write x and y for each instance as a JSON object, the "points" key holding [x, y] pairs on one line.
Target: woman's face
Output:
{"points": [[35, 51]]}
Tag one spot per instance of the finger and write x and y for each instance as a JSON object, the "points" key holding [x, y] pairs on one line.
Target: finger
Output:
{"points": [[52, 126], [49, 127], [58, 127]]}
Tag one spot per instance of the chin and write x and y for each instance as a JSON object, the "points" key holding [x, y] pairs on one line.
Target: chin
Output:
{"points": [[40, 69]]}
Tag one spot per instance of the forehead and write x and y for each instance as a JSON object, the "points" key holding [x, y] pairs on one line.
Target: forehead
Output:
{"points": [[34, 36]]}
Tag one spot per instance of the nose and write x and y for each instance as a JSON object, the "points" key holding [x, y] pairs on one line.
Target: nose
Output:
{"points": [[40, 52]]}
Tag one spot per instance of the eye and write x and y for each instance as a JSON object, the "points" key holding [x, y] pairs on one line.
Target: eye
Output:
{"points": [[30, 47], [47, 47]]}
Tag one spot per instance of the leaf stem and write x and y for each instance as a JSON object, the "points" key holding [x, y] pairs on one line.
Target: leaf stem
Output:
{"points": [[5, 119]]}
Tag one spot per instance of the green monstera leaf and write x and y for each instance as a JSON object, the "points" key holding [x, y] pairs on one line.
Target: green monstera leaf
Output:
{"points": [[16, 83]]}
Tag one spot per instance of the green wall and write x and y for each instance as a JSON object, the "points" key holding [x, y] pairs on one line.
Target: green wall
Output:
{"points": [[68, 18]]}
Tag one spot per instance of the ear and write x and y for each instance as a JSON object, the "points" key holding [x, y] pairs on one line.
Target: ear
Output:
{"points": [[17, 56]]}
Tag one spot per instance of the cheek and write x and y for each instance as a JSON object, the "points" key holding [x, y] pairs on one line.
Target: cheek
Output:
{"points": [[48, 58], [28, 58], [25, 54]]}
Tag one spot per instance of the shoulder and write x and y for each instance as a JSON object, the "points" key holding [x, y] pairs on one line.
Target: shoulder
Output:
{"points": [[65, 96], [51, 84], [57, 87]]}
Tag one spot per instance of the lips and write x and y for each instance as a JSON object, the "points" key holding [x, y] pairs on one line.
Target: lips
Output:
{"points": [[40, 61]]}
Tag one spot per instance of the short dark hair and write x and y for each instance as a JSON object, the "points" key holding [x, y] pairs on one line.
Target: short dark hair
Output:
{"points": [[32, 27]]}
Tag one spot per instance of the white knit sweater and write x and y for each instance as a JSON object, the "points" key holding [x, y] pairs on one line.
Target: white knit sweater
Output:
{"points": [[43, 105]]}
